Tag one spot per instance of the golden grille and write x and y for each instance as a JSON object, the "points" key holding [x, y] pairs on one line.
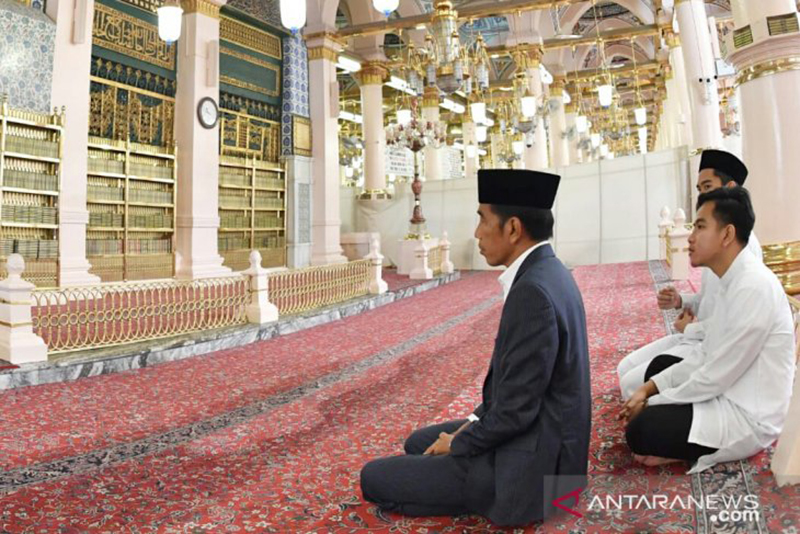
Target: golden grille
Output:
{"points": [[435, 260], [82, 318], [315, 287]]}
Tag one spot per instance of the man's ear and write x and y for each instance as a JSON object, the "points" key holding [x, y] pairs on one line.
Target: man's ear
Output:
{"points": [[729, 236], [515, 233]]}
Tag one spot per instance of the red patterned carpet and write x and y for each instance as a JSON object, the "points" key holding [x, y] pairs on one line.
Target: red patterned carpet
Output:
{"points": [[271, 437]]}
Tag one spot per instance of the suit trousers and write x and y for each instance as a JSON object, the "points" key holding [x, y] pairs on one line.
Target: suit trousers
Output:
{"points": [[663, 430], [415, 484]]}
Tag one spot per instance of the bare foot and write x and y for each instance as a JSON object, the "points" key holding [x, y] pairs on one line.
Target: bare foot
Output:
{"points": [[654, 461]]}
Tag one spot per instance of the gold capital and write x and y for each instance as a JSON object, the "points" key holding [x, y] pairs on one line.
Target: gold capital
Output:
{"points": [[323, 52], [204, 7], [372, 73]]}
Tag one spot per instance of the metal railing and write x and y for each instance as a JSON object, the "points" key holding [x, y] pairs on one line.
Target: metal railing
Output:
{"points": [[89, 317], [435, 260], [795, 304], [668, 250], [302, 290], [784, 260], [119, 313]]}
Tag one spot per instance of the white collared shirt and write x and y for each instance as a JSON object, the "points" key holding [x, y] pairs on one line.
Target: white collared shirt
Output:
{"points": [[507, 278], [741, 383]]}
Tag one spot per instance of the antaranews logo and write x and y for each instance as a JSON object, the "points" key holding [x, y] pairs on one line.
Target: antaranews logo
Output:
{"points": [[618, 499], [575, 494]]}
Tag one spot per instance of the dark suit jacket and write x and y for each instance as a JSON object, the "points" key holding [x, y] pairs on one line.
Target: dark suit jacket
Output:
{"points": [[535, 418]]}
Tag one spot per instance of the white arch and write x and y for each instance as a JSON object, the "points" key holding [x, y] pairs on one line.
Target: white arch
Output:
{"points": [[615, 24], [637, 7]]}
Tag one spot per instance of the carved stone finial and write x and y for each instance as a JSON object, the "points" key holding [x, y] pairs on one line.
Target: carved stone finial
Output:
{"points": [[15, 265], [680, 218], [255, 260]]}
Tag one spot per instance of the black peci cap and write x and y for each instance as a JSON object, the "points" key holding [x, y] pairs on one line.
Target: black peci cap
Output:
{"points": [[531, 189]]}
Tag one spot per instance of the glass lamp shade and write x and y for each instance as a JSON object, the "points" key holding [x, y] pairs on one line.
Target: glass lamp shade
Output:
{"points": [[581, 123], [448, 83], [605, 93], [595, 138], [357, 163], [478, 111], [480, 134], [169, 22], [293, 15], [641, 116], [471, 151], [565, 98], [518, 147], [403, 116], [528, 106], [385, 6], [348, 171], [604, 150]]}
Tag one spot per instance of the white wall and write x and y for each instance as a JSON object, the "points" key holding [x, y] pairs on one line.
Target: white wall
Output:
{"points": [[605, 212]]}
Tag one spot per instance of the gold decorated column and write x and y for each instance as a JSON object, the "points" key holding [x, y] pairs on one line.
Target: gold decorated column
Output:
{"points": [[370, 78]]}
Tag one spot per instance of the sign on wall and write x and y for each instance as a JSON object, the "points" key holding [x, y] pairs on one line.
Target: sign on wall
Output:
{"points": [[399, 161], [451, 163]]}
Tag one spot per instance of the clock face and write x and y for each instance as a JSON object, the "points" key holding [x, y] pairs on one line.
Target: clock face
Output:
{"points": [[207, 112]]}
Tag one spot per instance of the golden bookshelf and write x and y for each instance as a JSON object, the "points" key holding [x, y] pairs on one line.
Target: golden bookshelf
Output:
{"points": [[252, 211], [30, 169], [131, 194]]}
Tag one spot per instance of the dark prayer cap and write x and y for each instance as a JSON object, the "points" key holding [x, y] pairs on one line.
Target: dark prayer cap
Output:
{"points": [[530, 189], [724, 162]]}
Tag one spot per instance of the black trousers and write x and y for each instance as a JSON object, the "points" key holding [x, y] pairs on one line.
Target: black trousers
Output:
{"points": [[663, 430], [415, 484]]}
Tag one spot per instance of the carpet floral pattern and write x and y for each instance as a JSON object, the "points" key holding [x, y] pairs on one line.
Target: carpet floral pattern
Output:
{"points": [[271, 437]]}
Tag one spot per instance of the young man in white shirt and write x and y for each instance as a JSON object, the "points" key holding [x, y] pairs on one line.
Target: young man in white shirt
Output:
{"points": [[717, 169], [730, 400]]}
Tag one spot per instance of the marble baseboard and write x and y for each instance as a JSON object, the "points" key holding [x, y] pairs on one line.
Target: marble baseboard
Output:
{"points": [[109, 360]]}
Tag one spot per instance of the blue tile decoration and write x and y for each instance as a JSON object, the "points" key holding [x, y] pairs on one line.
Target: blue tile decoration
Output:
{"points": [[27, 46], [295, 88]]}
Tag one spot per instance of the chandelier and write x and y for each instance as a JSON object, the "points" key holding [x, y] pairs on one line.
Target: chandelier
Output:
{"points": [[444, 61]]}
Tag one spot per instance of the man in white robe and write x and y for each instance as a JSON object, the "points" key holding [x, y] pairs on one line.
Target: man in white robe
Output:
{"points": [[729, 399], [717, 169]]}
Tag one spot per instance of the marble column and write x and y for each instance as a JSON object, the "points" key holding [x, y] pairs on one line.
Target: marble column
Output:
{"points": [[71, 65], [677, 109], [770, 111], [559, 145], [471, 164], [571, 111], [698, 56], [198, 147], [322, 54], [430, 112], [371, 78], [536, 157]]}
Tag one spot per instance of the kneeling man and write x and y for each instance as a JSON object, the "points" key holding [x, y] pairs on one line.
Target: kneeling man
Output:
{"points": [[534, 421], [729, 401]]}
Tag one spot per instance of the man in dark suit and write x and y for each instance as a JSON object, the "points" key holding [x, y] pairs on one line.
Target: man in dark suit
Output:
{"points": [[528, 441]]}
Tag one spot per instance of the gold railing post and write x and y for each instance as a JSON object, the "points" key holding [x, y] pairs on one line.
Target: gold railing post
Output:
{"points": [[260, 310], [421, 270], [18, 343], [377, 285], [447, 265]]}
